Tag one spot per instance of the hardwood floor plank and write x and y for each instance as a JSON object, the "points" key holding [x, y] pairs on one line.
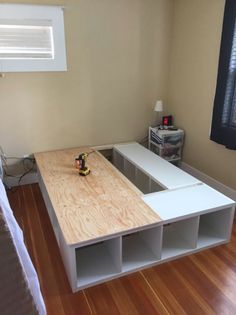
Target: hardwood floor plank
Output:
{"points": [[41, 254], [101, 300], [127, 295], [15, 202], [219, 303], [139, 291], [162, 291], [192, 293], [172, 291], [220, 277], [227, 255], [121, 298]]}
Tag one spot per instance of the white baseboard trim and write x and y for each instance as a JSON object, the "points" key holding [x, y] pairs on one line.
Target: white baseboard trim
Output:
{"points": [[229, 192], [30, 178]]}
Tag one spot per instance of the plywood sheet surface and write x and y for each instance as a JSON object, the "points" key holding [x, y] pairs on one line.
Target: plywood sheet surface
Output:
{"points": [[95, 206]]}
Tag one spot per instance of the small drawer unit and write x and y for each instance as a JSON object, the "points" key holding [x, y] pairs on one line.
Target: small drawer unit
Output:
{"points": [[166, 143]]}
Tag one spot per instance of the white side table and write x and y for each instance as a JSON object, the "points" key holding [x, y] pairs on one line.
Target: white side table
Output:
{"points": [[166, 143]]}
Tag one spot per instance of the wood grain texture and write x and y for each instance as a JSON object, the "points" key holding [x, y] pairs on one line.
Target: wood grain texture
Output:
{"points": [[203, 283], [95, 206]]}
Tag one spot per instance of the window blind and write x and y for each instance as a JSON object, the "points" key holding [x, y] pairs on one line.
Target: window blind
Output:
{"points": [[223, 128], [229, 109], [26, 41]]}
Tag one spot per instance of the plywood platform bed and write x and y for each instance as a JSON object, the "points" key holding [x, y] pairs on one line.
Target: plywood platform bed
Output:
{"points": [[136, 212]]}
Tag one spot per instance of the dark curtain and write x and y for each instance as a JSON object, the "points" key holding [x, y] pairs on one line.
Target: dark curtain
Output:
{"points": [[223, 129]]}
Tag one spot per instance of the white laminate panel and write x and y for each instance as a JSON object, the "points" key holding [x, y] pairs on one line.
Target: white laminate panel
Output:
{"points": [[136, 253], [95, 263], [186, 201], [165, 173]]}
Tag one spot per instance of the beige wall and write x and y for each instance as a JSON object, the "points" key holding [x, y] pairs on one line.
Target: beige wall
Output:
{"points": [[119, 59], [117, 54], [193, 71]]}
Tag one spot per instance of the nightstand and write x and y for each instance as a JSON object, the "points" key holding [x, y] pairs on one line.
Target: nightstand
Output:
{"points": [[166, 143]]}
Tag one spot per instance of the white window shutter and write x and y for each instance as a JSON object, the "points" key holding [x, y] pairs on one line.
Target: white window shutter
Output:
{"points": [[26, 41]]}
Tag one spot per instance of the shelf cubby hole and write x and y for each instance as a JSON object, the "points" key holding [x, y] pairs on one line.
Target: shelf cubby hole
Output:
{"points": [[130, 171], [108, 154], [118, 161], [179, 237], [141, 248], [215, 227], [155, 187], [142, 181], [98, 261]]}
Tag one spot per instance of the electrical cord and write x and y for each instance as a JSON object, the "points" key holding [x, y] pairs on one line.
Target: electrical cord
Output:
{"points": [[25, 162], [27, 171]]}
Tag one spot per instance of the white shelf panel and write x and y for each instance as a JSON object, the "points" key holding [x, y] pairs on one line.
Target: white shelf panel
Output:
{"points": [[136, 254], [165, 173], [187, 201], [208, 237], [215, 227], [174, 248], [141, 249], [57, 234], [179, 237], [95, 263]]}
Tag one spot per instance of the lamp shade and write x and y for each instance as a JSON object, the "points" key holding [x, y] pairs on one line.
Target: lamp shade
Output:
{"points": [[159, 106]]}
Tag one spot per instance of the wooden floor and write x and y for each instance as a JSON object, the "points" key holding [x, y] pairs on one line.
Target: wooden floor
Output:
{"points": [[203, 283]]}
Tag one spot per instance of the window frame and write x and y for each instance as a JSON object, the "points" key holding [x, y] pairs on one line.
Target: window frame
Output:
{"points": [[23, 12]]}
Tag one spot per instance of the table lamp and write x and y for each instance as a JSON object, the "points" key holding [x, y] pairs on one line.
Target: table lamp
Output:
{"points": [[158, 107]]}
